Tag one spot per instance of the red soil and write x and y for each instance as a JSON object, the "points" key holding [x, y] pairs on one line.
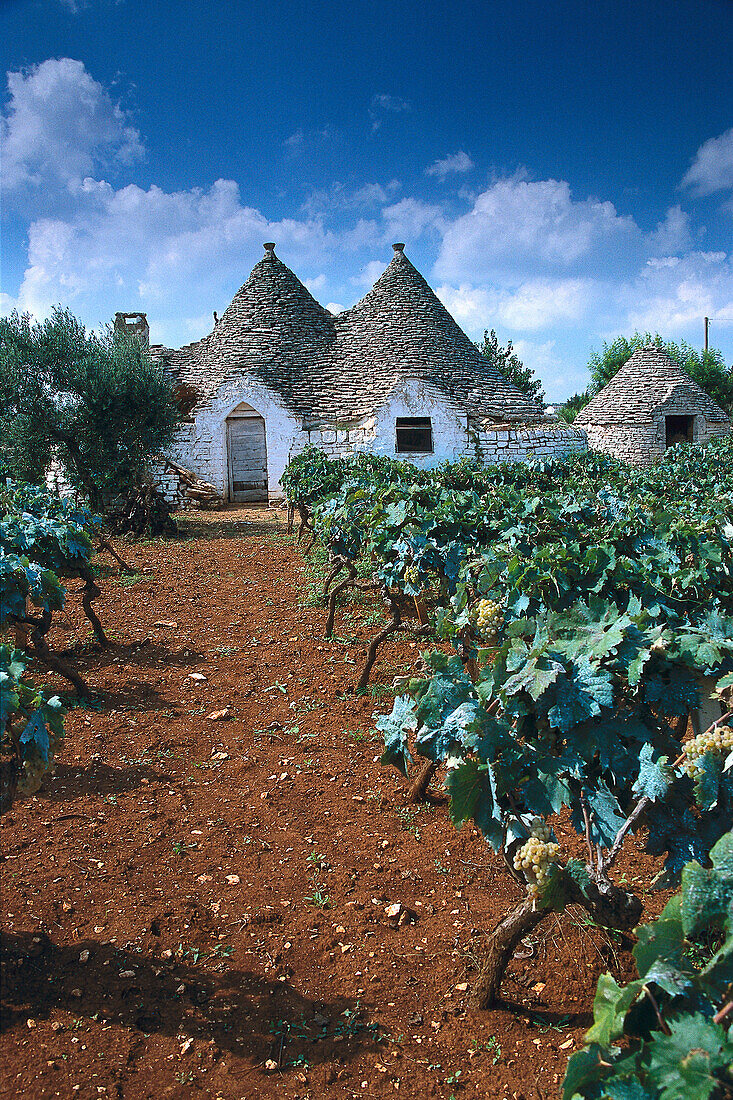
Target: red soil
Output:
{"points": [[190, 900]]}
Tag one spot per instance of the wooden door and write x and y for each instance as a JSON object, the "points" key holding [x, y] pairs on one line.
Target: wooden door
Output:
{"points": [[247, 458]]}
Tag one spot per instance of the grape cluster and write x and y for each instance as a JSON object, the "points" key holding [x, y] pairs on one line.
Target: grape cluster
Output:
{"points": [[536, 856], [718, 740], [32, 774], [412, 574], [489, 618]]}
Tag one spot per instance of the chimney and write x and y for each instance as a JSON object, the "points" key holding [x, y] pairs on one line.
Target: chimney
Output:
{"points": [[133, 324]]}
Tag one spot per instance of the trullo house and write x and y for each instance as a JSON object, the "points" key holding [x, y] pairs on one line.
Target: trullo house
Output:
{"points": [[649, 405], [394, 375]]}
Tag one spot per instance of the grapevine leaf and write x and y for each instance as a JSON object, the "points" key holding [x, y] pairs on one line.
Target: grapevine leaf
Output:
{"points": [[36, 732], [535, 678], [586, 1069], [662, 940], [618, 1088], [580, 694], [578, 871], [672, 695], [606, 816], [684, 1063], [707, 895], [724, 683], [615, 738], [669, 978], [436, 742], [471, 797], [717, 974], [655, 774], [707, 780], [395, 727], [610, 1005]]}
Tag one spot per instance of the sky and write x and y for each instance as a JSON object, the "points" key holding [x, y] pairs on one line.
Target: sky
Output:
{"points": [[559, 170]]}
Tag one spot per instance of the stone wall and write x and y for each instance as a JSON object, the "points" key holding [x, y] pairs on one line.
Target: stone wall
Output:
{"points": [[505, 443], [643, 444], [201, 445]]}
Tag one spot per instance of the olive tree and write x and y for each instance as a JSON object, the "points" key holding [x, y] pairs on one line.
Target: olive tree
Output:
{"points": [[94, 403]]}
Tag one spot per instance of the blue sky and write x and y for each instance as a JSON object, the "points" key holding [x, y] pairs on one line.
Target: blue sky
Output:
{"points": [[560, 170]]}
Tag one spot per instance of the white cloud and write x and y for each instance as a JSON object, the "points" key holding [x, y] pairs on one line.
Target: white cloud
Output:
{"points": [[535, 304], [527, 257], [146, 249], [315, 284], [369, 274], [673, 298], [383, 105], [672, 234], [472, 307], [408, 219], [339, 198], [306, 141], [59, 126], [545, 303], [560, 377], [335, 307], [712, 168], [520, 228], [454, 162]]}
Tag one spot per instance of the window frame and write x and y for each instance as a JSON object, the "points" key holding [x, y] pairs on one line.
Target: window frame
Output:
{"points": [[414, 424]]}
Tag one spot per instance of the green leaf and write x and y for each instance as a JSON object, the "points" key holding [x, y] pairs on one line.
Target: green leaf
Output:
{"points": [[395, 727], [684, 1064], [707, 895], [580, 694], [585, 1071], [606, 816], [610, 1005], [655, 774], [471, 797], [663, 939]]}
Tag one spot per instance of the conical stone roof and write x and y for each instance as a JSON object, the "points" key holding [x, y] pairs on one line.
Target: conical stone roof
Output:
{"points": [[342, 368], [649, 384], [401, 330]]}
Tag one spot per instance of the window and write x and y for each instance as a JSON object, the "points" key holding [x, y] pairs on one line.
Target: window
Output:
{"points": [[679, 429], [414, 435]]}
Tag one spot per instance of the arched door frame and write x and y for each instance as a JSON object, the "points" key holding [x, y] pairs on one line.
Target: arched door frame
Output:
{"points": [[244, 411]]}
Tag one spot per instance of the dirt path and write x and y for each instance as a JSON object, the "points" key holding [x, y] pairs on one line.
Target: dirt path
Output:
{"points": [[193, 900]]}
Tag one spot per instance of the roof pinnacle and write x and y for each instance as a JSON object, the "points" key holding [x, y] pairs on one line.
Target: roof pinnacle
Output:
{"points": [[269, 250], [399, 247]]}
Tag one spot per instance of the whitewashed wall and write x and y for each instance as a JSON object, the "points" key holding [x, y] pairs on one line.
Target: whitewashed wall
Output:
{"points": [[202, 446], [449, 422]]}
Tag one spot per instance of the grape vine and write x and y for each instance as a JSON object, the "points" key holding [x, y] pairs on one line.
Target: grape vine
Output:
{"points": [[590, 608], [43, 540]]}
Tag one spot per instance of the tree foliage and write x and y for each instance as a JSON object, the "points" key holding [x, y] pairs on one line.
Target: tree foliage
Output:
{"points": [[43, 540], [508, 363], [570, 408], [707, 368], [97, 404]]}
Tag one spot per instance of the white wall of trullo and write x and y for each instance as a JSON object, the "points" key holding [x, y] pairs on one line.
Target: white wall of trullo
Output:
{"points": [[201, 445]]}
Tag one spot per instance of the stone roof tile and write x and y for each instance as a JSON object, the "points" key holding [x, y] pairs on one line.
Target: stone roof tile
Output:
{"points": [[647, 384], [341, 368]]}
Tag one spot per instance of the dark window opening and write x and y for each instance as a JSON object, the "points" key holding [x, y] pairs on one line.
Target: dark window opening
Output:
{"points": [[414, 435], [679, 429]]}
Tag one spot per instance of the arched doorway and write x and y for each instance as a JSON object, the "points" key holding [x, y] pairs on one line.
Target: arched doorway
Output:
{"points": [[247, 454]]}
